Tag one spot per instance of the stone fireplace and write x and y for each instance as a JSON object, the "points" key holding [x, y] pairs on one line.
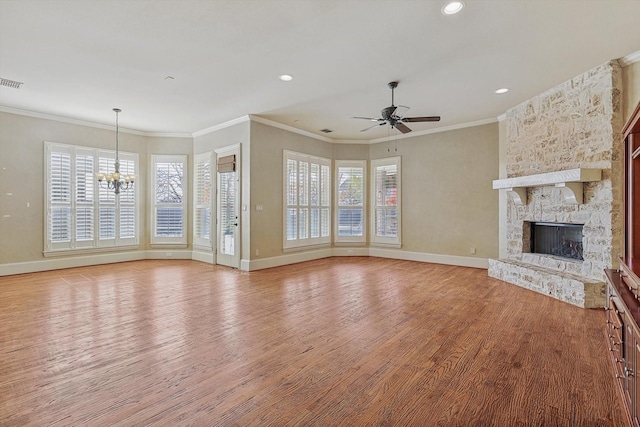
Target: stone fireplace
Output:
{"points": [[564, 170]]}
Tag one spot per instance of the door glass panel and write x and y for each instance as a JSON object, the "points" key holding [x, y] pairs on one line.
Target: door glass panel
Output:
{"points": [[228, 218]]}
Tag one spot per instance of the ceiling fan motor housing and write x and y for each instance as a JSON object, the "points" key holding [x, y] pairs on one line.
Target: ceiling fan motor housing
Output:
{"points": [[387, 113]]}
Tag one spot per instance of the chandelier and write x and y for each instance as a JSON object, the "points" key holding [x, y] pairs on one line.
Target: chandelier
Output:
{"points": [[116, 181]]}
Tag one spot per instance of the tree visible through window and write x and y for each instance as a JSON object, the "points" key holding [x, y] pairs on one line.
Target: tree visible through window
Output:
{"points": [[169, 186]]}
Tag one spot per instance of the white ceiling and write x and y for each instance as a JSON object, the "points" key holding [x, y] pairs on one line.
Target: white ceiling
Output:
{"points": [[80, 58]]}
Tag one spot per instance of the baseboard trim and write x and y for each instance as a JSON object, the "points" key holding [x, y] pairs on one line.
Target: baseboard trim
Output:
{"points": [[245, 265], [460, 261], [291, 258], [70, 262], [203, 256]]}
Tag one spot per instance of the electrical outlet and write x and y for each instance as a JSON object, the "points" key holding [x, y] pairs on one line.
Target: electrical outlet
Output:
{"points": [[257, 252], [472, 251]]}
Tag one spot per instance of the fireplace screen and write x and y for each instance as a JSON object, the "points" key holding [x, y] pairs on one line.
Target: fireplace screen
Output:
{"points": [[563, 240]]}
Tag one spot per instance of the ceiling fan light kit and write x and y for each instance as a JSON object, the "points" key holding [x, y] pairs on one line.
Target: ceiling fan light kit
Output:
{"points": [[394, 115]]}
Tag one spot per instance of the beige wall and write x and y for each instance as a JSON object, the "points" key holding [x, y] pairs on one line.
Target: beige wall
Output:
{"points": [[267, 146], [22, 174], [631, 92], [448, 204]]}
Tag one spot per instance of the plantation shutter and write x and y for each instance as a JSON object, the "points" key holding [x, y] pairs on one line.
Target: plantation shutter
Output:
{"points": [[84, 198], [202, 195], [386, 215], [307, 188], [350, 191], [59, 198]]}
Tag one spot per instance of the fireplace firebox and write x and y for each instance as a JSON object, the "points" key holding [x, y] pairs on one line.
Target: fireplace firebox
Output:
{"points": [[561, 240]]}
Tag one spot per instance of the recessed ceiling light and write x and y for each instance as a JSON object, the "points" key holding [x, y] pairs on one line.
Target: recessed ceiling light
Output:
{"points": [[453, 7], [502, 90], [286, 77]]}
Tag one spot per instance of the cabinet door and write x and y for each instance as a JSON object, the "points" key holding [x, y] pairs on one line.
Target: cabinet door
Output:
{"points": [[631, 375], [630, 344]]}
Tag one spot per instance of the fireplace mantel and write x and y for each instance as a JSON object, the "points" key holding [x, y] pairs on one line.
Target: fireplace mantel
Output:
{"points": [[570, 182]]}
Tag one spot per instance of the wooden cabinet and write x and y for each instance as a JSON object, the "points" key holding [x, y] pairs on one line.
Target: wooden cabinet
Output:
{"points": [[623, 337], [623, 293]]}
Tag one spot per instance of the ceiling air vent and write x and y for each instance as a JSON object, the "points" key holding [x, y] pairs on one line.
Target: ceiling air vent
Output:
{"points": [[10, 83], [326, 130]]}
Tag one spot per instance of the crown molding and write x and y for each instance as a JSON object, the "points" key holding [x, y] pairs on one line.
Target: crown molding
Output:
{"points": [[629, 59], [69, 120], [243, 119], [436, 130], [221, 126], [268, 122], [502, 117]]}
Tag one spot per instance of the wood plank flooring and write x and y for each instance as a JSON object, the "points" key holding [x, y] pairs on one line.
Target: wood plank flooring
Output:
{"points": [[335, 342]]}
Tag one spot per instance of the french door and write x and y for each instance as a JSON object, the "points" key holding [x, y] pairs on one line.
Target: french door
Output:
{"points": [[228, 202]]}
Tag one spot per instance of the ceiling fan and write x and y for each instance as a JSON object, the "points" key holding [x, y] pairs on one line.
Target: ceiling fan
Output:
{"points": [[394, 116]]}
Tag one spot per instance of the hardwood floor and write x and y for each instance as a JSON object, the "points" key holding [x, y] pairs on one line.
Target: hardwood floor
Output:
{"points": [[336, 342]]}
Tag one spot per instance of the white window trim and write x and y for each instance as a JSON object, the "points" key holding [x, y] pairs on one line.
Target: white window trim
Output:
{"points": [[160, 241], [198, 159], [96, 244], [354, 240], [395, 242], [310, 242]]}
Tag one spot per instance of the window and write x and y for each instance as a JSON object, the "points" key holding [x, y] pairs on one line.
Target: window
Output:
{"points": [[169, 185], [386, 218], [202, 195], [350, 201], [307, 204], [79, 213]]}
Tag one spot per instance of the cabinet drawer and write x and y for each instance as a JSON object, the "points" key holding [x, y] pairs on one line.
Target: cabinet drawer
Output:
{"points": [[614, 314]]}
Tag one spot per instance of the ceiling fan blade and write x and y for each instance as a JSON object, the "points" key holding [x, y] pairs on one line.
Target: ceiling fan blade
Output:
{"points": [[421, 119], [401, 111], [368, 118], [402, 127], [371, 127]]}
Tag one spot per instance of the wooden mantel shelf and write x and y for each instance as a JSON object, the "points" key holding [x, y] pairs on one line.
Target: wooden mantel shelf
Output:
{"points": [[570, 182]]}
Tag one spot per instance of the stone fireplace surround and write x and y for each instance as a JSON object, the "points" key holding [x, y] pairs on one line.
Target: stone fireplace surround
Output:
{"points": [[564, 165]]}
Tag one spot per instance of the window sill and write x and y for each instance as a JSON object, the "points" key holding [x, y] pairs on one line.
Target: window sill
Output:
{"points": [[168, 245], [386, 245]]}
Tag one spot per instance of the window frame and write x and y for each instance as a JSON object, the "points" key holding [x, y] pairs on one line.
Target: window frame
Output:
{"points": [[95, 243], [338, 164], [169, 240], [378, 240], [324, 197]]}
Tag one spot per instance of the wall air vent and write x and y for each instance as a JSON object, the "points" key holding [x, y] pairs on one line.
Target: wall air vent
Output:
{"points": [[10, 83], [326, 130]]}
